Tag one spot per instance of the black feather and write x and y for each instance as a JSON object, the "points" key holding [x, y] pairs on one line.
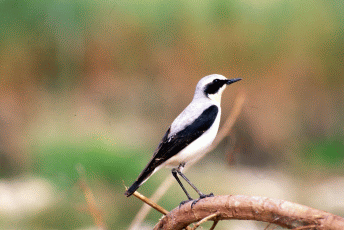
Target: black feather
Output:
{"points": [[214, 86]]}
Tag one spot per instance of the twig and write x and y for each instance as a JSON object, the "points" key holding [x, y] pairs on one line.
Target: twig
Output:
{"points": [[214, 225], [266, 228], [143, 212], [205, 219], [90, 200], [150, 203]]}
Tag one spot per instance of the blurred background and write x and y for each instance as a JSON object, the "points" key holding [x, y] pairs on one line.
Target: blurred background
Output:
{"points": [[88, 88]]}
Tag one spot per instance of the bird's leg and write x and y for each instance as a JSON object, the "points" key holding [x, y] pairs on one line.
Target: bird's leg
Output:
{"points": [[174, 173], [201, 195], [189, 182]]}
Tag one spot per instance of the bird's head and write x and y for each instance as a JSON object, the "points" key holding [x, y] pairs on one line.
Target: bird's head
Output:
{"points": [[212, 86]]}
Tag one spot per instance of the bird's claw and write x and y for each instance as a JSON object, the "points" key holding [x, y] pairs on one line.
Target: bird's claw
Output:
{"points": [[204, 196], [200, 198], [184, 202]]}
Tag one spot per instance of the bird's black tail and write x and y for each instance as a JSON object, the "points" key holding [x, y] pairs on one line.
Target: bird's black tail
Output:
{"points": [[144, 175], [132, 189]]}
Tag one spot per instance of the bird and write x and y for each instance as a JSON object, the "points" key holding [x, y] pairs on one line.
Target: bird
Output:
{"points": [[189, 135]]}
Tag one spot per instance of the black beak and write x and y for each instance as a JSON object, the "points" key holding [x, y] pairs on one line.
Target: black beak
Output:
{"points": [[230, 81]]}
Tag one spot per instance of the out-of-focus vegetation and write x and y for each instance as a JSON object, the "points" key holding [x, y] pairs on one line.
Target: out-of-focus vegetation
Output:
{"points": [[95, 84]]}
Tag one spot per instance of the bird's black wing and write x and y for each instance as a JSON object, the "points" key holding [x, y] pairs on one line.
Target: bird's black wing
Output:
{"points": [[170, 146]]}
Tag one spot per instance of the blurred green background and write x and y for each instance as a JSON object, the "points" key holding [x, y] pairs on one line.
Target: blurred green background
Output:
{"points": [[92, 86]]}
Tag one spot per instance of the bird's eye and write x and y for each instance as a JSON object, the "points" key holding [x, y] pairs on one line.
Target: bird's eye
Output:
{"points": [[216, 81]]}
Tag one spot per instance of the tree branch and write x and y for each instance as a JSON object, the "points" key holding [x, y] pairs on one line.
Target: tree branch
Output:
{"points": [[150, 203], [283, 213]]}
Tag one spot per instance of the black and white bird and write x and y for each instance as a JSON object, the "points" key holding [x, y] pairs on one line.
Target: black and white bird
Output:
{"points": [[190, 134]]}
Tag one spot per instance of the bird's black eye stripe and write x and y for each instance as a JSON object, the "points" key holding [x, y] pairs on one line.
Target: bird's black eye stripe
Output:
{"points": [[214, 86]]}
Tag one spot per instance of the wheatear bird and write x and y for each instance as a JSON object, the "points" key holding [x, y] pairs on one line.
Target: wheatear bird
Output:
{"points": [[190, 134]]}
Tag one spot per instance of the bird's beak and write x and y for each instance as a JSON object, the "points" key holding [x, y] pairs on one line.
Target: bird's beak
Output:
{"points": [[230, 81]]}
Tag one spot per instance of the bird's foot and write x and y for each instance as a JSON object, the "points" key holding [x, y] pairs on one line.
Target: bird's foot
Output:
{"points": [[200, 198], [184, 202]]}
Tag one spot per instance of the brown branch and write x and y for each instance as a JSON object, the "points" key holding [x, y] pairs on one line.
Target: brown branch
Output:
{"points": [[214, 225], [279, 212], [266, 228], [236, 110], [90, 199], [150, 203]]}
